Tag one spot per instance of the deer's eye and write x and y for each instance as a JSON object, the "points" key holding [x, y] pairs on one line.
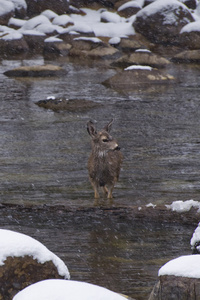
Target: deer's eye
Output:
{"points": [[105, 140]]}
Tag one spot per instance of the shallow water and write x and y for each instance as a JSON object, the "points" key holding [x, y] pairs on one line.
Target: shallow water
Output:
{"points": [[43, 159]]}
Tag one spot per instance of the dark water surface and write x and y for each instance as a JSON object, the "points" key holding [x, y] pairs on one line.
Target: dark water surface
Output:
{"points": [[43, 158]]}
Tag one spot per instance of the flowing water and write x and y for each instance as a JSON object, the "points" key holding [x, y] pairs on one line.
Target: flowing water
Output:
{"points": [[43, 161]]}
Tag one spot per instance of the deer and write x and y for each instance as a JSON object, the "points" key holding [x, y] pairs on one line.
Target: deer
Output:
{"points": [[105, 160]]}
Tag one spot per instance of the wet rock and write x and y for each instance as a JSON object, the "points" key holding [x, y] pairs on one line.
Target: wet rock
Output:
{"points": [[132, 43], [36, 71], [92, 48], [187, 56], [7, 11], [59, 104], [138, 78], [161, 22], [142, 57], [19, 272], [56, 47], [174, 287]]}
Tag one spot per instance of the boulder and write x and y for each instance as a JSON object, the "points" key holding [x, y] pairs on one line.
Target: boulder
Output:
{"points": [[20, 8], [187, 56], [36, 71], [37, 6], [131, 43], [58, 104], [92, 48], [162, 21], [142, 57], [139, 78], [190, 36], [24, 261], [10, 46], [35, 40], [93, 4], [174, 287], [178, 279], [7, 10], [55, 46]]}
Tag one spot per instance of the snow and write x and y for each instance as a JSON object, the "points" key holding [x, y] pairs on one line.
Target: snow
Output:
{"points": [[193, 26], [115, 40], [138, 67], [52, 39], [49, 14], [184, 266], [12, 35], [143, 50], [89, 39], [16, 22], [6, 7], [19, 4], [62, 20], [129, 4], [17, 244], [111, 17], [57, 289], [195, 237], [34, 22], [183, 206]]}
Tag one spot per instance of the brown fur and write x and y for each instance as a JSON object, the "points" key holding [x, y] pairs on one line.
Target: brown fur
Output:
{"points": [[105, 160]]}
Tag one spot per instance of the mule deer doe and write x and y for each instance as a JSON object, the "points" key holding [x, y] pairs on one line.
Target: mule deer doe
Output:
{"points": [[105, 160]]}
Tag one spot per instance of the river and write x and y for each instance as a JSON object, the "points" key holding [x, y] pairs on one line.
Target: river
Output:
{"points": [[43, 162]]}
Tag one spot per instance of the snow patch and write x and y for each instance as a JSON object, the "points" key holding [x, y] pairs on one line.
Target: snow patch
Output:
{"points": [[138, 67], [193, 26], [183, 206]]}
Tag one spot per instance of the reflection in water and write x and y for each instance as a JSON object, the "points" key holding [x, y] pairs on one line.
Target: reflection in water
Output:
{"points": [[43, 159]]}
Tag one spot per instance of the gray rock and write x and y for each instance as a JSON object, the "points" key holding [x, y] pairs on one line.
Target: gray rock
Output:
{"points": [[177, 288], [36, 71], [161, 23]]}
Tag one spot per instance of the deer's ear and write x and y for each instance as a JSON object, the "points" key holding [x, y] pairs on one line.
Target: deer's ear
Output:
{"points": [[108, 126], [91, 129]]}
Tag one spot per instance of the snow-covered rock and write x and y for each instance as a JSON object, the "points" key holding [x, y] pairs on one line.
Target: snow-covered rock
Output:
{"points": [[190, 35], [63, 20], [129, 8], [7, 10], [107, 16], [24, 261], [178, 279], [195, 240], [20, 8], [162, 21], [66, 290]]}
